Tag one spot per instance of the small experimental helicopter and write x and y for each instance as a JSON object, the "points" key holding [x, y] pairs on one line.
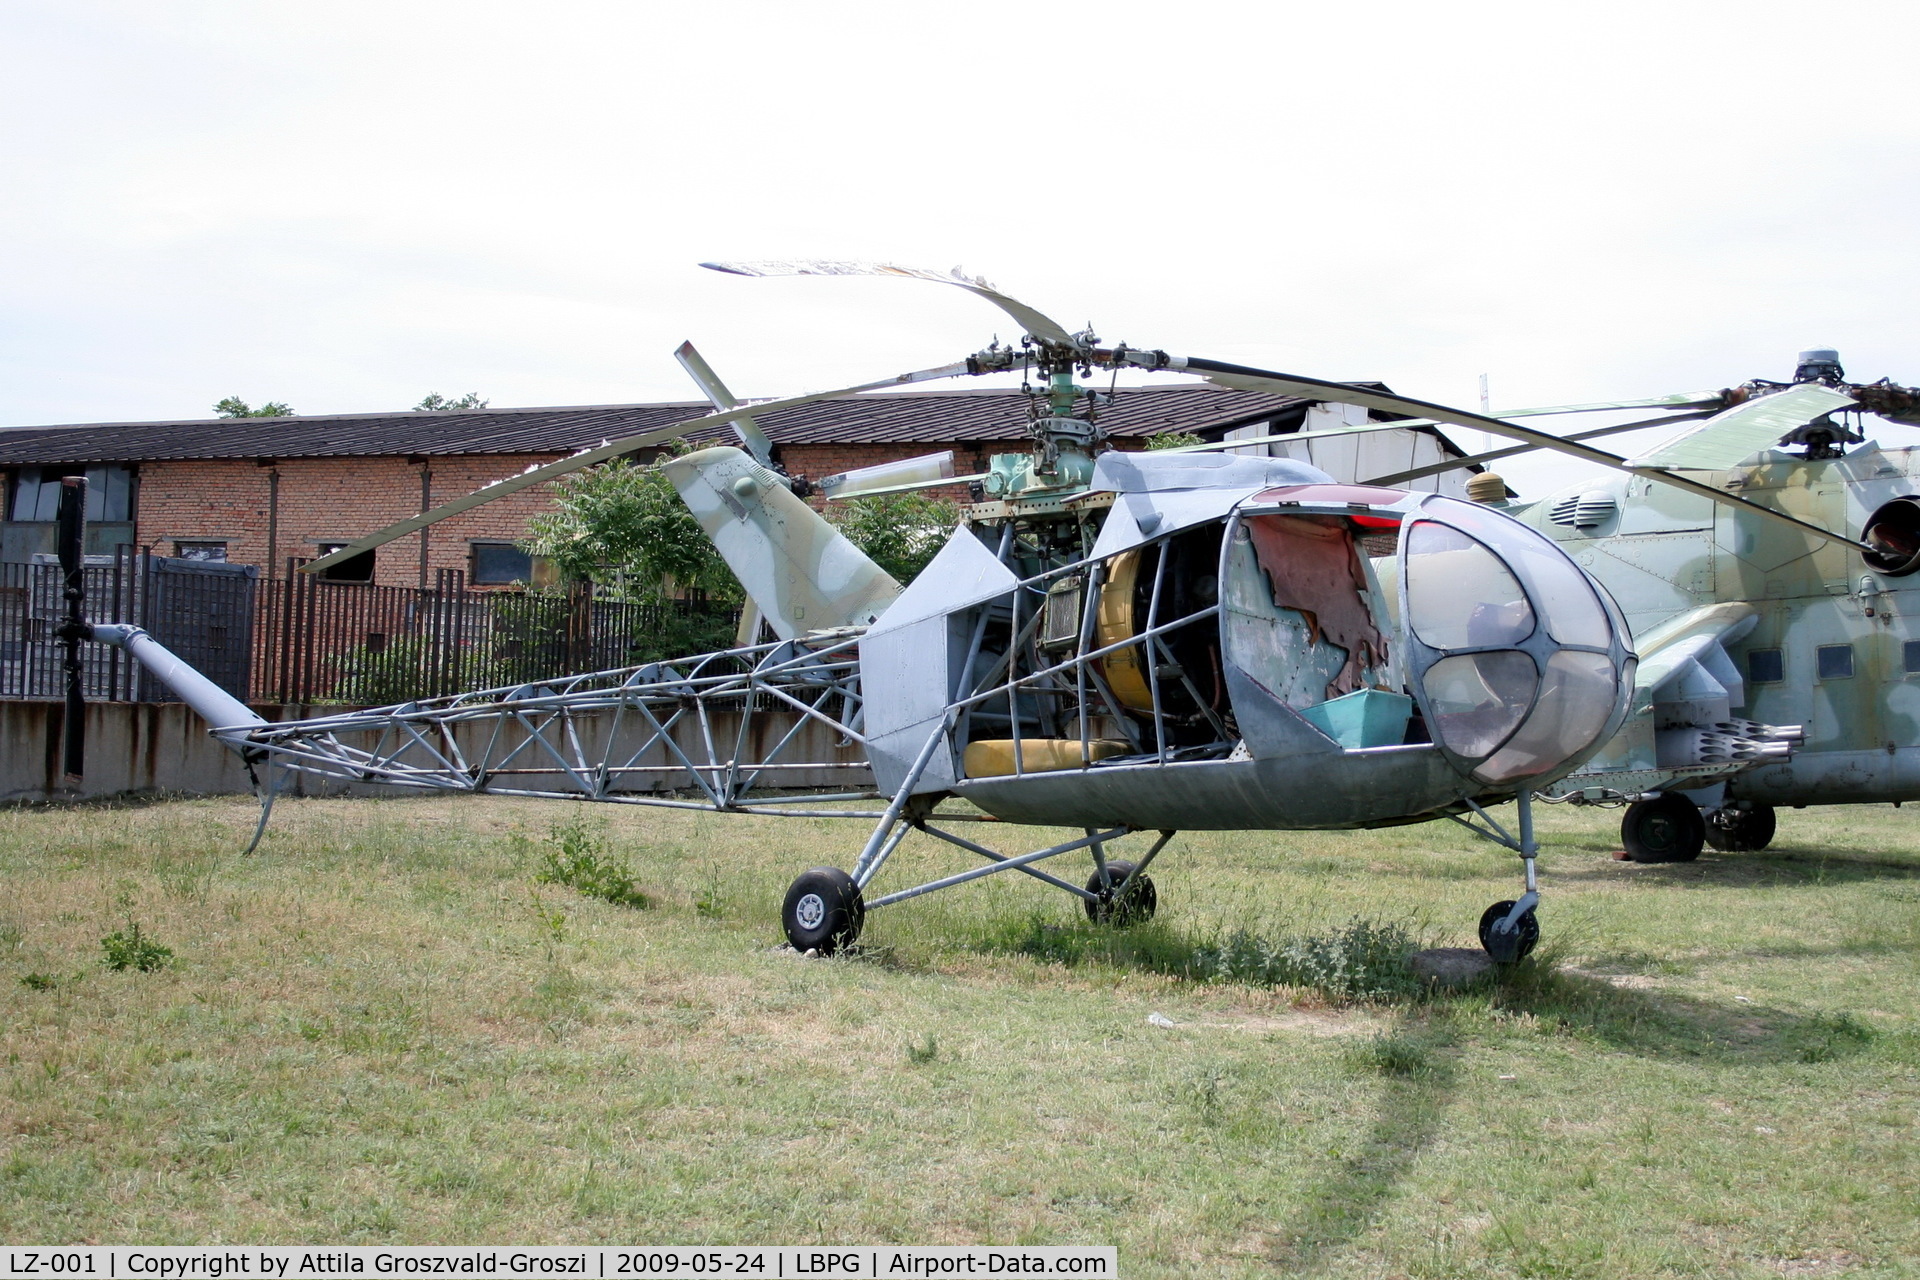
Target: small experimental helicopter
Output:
{"points": [[1130, 644], [1740, 620]]}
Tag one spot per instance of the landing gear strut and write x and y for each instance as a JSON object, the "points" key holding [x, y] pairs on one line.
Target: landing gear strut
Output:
{"points": [[1667, 828], [1122, 897], [1509, 929]]}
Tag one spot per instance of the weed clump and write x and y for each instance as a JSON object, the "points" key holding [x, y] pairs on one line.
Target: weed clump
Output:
{"points": [[1396, 1053], [1362, 960], [581, 860], [39, 982], [129, 948]]}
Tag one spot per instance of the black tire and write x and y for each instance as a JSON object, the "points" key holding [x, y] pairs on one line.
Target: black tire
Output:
{"points": [[1668, 828], [823, 911], [1528, 928], [1139, 904], [1741, 830]]}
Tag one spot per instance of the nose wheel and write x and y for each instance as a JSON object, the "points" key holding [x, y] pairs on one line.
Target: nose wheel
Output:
{"points": [[1507, 936]]}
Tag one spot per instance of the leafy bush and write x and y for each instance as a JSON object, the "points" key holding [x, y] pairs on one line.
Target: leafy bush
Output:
{"points": [[129, 948], [1361, 960], [900, 532], [39, 982], [580, 859]]}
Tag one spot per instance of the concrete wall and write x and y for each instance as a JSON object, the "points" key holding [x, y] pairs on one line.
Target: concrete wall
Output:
{"points": [[133, 747]]}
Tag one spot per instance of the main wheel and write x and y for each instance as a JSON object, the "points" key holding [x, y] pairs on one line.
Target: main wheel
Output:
{"points": [[1109, 907], [1668, 828], [823, 911], [1520, 943], [1741, 830]]}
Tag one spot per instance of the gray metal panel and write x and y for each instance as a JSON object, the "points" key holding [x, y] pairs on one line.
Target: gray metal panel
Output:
{"points": [[963, 574], [1154, 472], [905, 675], [1137, 517], [1340, 789]]}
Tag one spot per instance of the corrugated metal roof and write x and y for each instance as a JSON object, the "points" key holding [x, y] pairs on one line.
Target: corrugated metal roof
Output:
{"points": [[931, 417]]}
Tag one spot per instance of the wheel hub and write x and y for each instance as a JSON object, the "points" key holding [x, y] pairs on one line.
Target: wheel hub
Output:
{"points": [[810, 911]]}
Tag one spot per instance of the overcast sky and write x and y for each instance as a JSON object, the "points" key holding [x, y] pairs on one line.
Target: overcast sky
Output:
{"points": [[347, 205]]}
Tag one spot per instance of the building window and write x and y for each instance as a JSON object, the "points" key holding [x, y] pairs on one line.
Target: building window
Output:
{"points": [[358, 569], [214, 551], [1764, 666], [1836, 661], [1912, 655], [499, 563], [36, 493]]}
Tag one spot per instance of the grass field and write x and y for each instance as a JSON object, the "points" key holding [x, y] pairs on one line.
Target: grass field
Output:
{"points": [[385, 1028]]}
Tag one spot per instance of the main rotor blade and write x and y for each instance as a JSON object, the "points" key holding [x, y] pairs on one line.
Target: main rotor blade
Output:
{"points": [[1435, 468], [1744, 430], [612, 449], [752, 438], [1708, 400], [1032, 321], [1240, 377]]}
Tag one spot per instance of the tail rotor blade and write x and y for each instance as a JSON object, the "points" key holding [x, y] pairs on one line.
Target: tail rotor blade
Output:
{"points": [[71, 541]]}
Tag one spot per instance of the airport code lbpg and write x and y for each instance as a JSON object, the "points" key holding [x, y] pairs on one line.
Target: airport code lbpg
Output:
{"points": [[183, 1262]]}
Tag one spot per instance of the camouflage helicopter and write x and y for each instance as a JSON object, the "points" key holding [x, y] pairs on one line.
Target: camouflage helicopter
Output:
{"points": [[1740, 620], [1127, 644]]}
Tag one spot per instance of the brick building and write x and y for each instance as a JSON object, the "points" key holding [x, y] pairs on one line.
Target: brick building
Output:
{"points": [[264, 490]]}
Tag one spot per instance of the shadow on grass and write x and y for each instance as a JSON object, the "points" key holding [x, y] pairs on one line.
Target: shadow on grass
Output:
{"points": [[1795, 868], [1663, 1024], [1365, 963], [1415, 1060]]}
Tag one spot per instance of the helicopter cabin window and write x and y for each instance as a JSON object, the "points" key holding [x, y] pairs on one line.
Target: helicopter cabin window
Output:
{"points": [[1764, 666], [1836, 661], [1912, 656], [357, 569]]}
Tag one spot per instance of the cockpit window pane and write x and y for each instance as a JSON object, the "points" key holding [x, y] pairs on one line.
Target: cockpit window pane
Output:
{"points": [[1459, 595], [1576, 698], [1476, 699]]}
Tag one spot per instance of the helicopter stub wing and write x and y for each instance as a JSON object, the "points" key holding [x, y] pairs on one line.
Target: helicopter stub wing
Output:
{"points": [[800, 571], [1681, 729]]}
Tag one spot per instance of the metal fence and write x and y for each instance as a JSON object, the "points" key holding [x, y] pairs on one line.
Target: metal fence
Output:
{"points": [[301, 639], [203, 612], [357, 643]]}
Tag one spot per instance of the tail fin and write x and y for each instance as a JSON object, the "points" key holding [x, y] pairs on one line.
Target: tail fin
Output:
{"points": [[802, 573]]}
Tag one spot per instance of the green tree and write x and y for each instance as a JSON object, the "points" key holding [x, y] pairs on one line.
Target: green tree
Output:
{"points": [[1173, 440], [625, 528], [900, 532], [235, 407], [437, 403]]}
